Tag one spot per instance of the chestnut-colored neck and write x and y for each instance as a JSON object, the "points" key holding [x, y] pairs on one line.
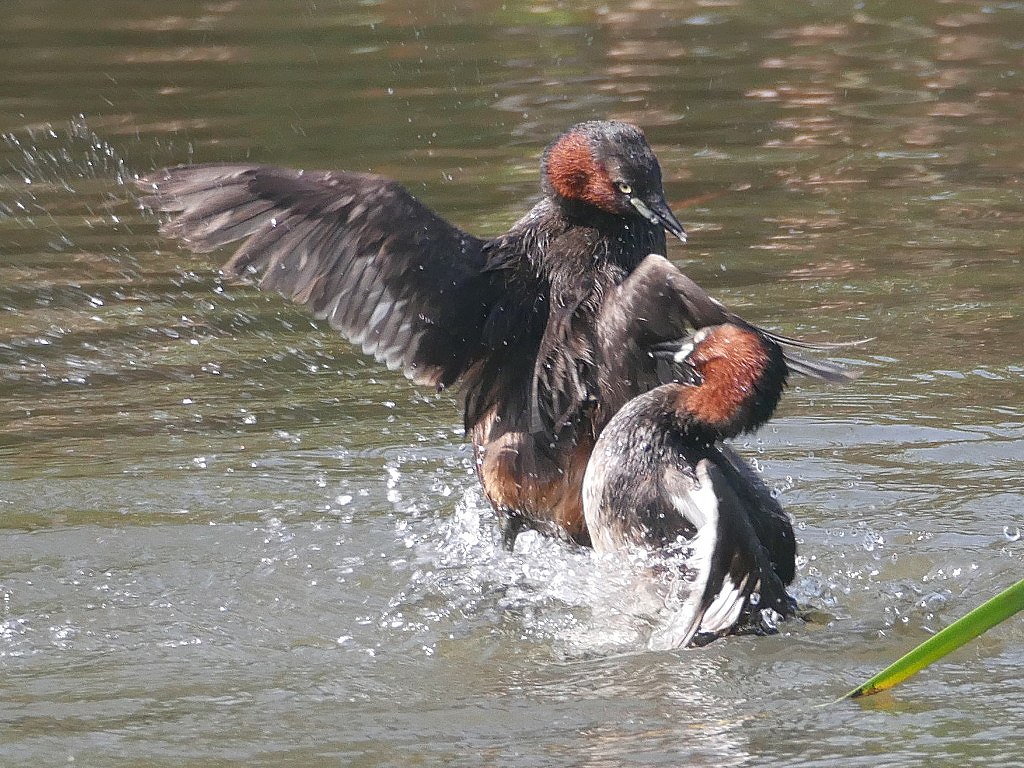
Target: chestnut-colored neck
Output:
{"points": [[574, 173], [742, 382]]}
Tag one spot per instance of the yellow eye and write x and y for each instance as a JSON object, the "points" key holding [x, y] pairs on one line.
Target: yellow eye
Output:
{"points": [[624, 188]]}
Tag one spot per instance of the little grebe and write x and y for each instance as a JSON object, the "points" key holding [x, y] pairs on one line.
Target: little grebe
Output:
{"points": [[660, 482], [549, 327]]}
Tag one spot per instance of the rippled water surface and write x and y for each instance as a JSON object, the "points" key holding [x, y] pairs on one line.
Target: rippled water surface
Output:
{"points": [[226, 538]]}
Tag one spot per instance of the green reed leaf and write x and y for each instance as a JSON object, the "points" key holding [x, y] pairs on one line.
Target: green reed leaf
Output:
{"points": [[980, 620]]}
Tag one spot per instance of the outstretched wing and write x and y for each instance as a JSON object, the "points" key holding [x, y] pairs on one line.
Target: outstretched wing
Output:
{"points": [[658, 304], [355, 249]]}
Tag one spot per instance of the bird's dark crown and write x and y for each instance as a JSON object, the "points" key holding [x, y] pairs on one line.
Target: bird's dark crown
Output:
{"points": [[603, 164]]}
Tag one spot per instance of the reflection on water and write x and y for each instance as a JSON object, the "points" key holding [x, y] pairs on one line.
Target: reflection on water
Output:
{"points": [[228, 538]]}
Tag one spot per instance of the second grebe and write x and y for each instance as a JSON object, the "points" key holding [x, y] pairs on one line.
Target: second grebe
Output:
{"points": [[660, 483]]}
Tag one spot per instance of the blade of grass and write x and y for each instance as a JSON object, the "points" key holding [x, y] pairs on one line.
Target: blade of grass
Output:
{"points": [[960, 632]]}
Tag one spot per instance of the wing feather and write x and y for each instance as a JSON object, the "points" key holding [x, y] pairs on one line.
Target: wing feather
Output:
{"points": [[658, 304], [357, 250], [727, 555]]}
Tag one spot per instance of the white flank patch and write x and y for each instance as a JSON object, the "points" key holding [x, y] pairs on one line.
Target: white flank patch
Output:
{"points": [[700, 507]]}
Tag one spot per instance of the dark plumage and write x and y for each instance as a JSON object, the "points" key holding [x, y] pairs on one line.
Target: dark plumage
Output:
{"points": [[660, 482], [549, 327]]}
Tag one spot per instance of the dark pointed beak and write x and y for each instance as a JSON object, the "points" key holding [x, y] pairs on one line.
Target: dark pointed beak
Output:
{"points": [[673, 360], [658, 212], [685, 372]]}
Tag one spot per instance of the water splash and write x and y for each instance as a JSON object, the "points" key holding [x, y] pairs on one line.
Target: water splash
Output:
{"points": [[49, 155], [577, 604]]}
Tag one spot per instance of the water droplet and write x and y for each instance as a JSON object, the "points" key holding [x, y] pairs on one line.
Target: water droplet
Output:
{"points": [[1011, 532]]}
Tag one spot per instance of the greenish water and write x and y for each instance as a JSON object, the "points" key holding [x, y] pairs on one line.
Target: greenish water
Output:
{"points": [[225, 538]]}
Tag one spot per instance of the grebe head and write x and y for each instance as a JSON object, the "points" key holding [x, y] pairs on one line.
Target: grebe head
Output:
{"points": [[610, 166], [734, 377]]}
